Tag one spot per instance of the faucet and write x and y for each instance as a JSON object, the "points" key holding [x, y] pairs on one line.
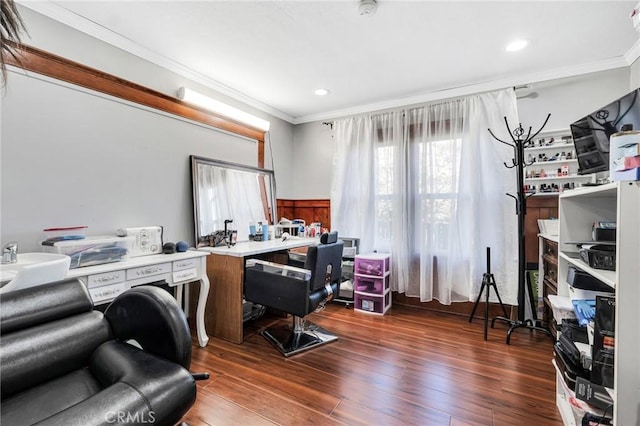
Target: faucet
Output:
{"points": [[10, 252]]}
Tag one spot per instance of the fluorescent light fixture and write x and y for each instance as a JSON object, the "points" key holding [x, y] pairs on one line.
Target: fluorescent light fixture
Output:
{"points": [[223, 109], [516, 45], [321, 92]]}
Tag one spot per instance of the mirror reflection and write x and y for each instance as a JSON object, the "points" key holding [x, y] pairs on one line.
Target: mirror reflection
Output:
{"points": [[224, 192]]}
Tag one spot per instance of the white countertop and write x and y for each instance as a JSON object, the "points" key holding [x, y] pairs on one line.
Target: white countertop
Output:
{"points": [[134, 262], [249, 248], [549, 237]]}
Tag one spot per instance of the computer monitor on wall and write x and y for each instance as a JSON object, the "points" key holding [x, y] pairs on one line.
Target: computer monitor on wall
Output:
{"points": [[591, 133]]}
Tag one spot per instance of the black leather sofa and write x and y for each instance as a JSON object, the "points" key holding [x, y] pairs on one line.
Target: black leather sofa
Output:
{"points": [[63, 363]]}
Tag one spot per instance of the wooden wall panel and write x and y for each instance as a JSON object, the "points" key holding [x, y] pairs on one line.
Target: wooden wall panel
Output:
{"points": [[462, 308], [285, 209], [308, 210]]}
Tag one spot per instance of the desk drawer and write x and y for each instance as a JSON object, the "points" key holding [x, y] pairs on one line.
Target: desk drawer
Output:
{"points": [[550, 248], [106, 293], [185, 275], [106, 278], [181, 265], [148, 271]]}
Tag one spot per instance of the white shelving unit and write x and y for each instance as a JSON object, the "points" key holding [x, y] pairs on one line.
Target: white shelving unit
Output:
{"points": [[578, 210], [547, 171]]}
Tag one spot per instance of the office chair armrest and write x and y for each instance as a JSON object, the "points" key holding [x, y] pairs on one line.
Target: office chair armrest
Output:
{"points": [[151, 316]]}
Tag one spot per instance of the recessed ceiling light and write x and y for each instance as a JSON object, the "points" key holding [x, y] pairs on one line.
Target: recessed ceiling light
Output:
{"points": [[322, 92], [516, 45]]}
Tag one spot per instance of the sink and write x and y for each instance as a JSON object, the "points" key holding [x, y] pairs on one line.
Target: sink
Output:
{"points": [[33, 269]]}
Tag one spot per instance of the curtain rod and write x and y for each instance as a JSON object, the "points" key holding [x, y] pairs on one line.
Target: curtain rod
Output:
{"points": [[439, 102]]}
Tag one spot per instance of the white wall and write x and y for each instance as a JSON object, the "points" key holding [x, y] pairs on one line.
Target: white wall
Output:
{"points": [[70, 156], [52, 36], [567, 100], [635, 75], [312, 163]]}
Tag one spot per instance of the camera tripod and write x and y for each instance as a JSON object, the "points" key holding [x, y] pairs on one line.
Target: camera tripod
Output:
{"points": [[488, 281]]}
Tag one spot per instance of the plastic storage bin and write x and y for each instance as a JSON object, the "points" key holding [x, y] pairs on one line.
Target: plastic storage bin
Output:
{"points": [[92, 251], [367, 284], [372, 304], [375, 264]]}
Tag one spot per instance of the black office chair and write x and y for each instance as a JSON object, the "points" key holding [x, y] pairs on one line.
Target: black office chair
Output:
{"points": [[298, 292]]}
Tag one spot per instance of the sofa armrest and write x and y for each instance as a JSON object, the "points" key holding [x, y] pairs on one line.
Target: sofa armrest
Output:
{"points": [[109, 407], [152, 317], [139, 388]]}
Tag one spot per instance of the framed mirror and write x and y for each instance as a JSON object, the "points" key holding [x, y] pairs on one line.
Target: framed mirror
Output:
{"points": [[224, 191]]}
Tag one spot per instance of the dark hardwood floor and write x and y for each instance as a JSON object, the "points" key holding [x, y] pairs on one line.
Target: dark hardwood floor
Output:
{"points": [[409, 367]]}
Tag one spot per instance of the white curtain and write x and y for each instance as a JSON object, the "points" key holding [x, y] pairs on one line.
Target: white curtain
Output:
{"points": [[428, 185]]}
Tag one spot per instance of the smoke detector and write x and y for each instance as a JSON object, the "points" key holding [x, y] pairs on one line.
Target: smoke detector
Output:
{"points": [[367, 7]]}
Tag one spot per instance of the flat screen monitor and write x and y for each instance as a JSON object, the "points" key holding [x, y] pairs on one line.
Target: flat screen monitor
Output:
{"points": [[591, 133]]}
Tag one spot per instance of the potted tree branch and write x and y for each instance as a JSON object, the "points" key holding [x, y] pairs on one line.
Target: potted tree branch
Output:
{"points": [[11, 25]]}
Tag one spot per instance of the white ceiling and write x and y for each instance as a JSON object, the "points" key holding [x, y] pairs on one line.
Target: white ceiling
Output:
{"points": [[273, 54]]}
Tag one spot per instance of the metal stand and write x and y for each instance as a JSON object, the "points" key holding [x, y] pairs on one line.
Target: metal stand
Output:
{"points": [[487, 283], [520, 198]]}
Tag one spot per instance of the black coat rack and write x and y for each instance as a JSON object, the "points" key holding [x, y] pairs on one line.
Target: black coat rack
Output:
{"points": [[518, 144]]}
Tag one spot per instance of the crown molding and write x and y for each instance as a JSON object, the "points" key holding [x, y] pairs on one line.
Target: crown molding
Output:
{"points": [[59, 13], [471, 89], [633, 54]]}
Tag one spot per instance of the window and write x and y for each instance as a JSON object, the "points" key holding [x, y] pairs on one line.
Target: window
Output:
{"points": [[384, 193], [437, 190], [432, 182]]}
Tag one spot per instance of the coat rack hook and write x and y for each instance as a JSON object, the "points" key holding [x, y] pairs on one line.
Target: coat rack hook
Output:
{"points": [[510, 166], [498, 139]]}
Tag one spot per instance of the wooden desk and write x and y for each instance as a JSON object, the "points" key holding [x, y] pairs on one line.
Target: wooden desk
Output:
{"points": [[107, 281], [225, 268]]}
